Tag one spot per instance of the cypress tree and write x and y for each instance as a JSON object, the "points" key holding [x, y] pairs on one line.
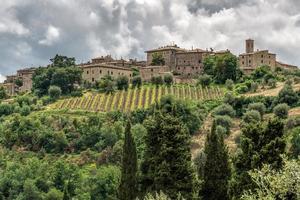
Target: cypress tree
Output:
{"points": [[128, 185], [260, 144], [216, 168], [167, 165]]}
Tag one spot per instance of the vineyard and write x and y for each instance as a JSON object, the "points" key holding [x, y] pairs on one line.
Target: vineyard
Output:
{"points": [[136, 98]]}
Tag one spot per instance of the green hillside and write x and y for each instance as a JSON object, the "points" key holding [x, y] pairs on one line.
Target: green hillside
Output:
{"points": [[136, 98]]}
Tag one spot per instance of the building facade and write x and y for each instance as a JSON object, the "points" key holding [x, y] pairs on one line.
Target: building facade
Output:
{"points": [[150, 71], [168, 53]]}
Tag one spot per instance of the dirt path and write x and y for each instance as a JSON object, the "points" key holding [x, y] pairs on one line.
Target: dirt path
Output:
{"points": [[272, 92]]}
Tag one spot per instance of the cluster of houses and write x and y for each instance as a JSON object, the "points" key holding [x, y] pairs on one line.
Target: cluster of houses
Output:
{"points": [[182, 63]]}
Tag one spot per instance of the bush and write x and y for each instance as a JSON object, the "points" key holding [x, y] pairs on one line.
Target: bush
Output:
{"points": [[292, 122], [229, 84], [204, 80], [3, 93], [297, 80], [157, 80], [252, 116], [224, 121], [229, 98], [220, 130], [295, 143], [122, 83], [254, 86], [76, 93], [136, 81], [288, 95], [281, 110], [25, 110], [54, 92], [241, 88], [6, 109], [272, 83], [260, 107], [168, 79], [224, 109], [106, 85]]}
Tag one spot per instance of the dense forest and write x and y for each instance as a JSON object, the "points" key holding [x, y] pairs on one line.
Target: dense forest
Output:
{"points": [[244, 144]]}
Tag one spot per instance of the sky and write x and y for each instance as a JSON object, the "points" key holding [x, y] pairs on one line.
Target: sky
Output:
{"points": [[33, 31]]}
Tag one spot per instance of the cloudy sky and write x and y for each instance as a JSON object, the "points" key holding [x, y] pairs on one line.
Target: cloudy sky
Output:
{"points": [[32, 31]]}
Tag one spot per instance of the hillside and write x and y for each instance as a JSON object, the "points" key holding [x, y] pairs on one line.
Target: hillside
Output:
{"points": [[136, 98]]}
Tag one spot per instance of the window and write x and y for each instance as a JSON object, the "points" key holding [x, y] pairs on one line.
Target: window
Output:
{"points": [[243, 57], [243, 62], [262, 56], [111, 72], [107, 72], [192, 67], [93, 79], [87, 72], [178, 68], [262, 61], [199, 61], [129, 75], [249, 61], [151, 70], [100, 71]]}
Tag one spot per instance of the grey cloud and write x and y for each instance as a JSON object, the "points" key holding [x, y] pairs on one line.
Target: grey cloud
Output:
{"points": [[128, 27]]}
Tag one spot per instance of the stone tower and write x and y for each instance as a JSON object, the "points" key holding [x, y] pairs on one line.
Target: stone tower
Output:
{"points": [[249, 46]]}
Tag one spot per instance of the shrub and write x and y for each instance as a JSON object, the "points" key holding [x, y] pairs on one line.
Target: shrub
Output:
{"points": [[54, 92], [260, 107], [241, 88], [3, 93], [272, 83], [229, 84], [157, 80], [295, 143], [25, 110], [122, 83], [288, 95], [6, 109], [106, 84], [168, 79], [220, 130], [254, 87], [292, 122], [136, 81], [281, 110], [224, 121], [229, 98], [297, 80], [204, 80], [252, 116], [224, 109], [76, 93]]}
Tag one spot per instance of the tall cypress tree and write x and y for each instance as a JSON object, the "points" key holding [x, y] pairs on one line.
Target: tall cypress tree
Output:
{"points": [[260, 144], [216, 168], [167, 165], [128, 185]]}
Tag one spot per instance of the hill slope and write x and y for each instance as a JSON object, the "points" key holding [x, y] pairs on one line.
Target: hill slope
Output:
{"points": [[136, 98]]}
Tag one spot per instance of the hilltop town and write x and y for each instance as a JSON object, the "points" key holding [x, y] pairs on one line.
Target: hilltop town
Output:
{"points": [[183, 64]]}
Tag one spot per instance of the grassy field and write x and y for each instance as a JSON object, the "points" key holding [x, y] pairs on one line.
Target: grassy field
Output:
{"points": [[133, 99]]}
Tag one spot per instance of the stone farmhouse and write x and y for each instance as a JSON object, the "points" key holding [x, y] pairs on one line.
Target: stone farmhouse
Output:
{"points": [[250, 60]]}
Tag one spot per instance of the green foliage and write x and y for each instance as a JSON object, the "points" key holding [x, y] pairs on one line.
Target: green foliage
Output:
{"points": [[260, 107], [224, 121], [106, 84], [62, 61], [157, 80], [6, 109], [128, 185], [204, 80], [3, 93], [167, 164], [294, 150], [272, 83], [122, 83], [254, 86], [224, 109], [136, 81], [19, 82], [261, 72], [252, 116], [225, 68], [287, 95], [217, 168], [281, 110], [208, 65], [54, 92], [229, 84], [139, 133], [272, 184], [25, 110], [157, 196], [62, 73], [260, 144], [168, 79], [157, 59]]}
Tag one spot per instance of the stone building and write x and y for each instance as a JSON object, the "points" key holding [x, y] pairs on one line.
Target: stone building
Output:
{"points": [[150, 71], [168, 53], [94, 72], [286, 66], [25, 75], [190, 62]]}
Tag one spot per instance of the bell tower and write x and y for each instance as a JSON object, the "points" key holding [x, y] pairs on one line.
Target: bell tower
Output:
{"points": [[249, 46]]}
